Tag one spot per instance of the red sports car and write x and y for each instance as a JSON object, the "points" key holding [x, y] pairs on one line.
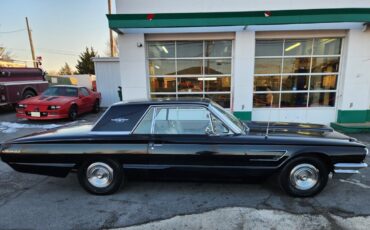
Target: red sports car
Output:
{"points": [[57, 102]]}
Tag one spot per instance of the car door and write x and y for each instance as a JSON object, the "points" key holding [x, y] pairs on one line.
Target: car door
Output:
{"points": [[85, 99]]}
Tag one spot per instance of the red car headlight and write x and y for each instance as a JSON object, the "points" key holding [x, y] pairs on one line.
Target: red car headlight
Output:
{"points": [[54, 107]]}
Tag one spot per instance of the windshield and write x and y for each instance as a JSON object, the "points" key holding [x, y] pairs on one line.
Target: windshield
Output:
{"points": [[61, 91], [230, 116]]}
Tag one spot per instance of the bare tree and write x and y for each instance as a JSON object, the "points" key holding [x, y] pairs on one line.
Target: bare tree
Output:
{"points": [[115, 47], [5, 54]]}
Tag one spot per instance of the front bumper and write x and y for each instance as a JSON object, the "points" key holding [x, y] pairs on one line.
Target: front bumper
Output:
{"points": [[46, 115], [349, 168]]}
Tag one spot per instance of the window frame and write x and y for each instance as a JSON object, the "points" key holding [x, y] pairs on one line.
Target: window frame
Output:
{"points": [[309, 74], [203, 94]]}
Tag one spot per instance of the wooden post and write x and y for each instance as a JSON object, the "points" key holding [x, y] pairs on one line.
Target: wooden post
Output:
{"points": [[31, 44], [110, 31]]}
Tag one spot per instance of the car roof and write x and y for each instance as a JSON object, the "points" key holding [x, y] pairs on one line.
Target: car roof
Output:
{"points": [[166, 101], [70, 86]]}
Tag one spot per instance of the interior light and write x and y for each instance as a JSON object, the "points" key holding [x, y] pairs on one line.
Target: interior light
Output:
{"points": [[293, 46], [326, 41], [207, 78], [157, 67], [165, 49]]}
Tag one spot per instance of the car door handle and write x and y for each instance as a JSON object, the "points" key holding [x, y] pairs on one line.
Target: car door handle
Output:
{"points": [[153, 145]]}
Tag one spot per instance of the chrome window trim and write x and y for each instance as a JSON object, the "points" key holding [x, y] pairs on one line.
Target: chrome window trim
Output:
{"points": [[234, 128]]}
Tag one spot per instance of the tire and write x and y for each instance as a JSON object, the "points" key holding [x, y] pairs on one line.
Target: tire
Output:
{"points": [[304, 176], [96, 108], [28, 94], [111, 170], [72, 113]]}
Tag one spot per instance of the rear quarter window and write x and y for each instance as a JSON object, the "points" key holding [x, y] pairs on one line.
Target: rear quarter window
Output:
{"points": [[120, 118]]}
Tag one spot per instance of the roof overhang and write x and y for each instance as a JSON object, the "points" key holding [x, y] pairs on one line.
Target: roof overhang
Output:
{"points": [[344, 18]]}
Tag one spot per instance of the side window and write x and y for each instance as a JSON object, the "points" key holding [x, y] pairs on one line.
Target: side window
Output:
{"points": [[84, 92], [145, 125], [182, 120], [219, 127]]}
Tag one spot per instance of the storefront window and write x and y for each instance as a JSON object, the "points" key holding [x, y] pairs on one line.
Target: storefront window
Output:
{"points": [[191, 69], [296, 72]]}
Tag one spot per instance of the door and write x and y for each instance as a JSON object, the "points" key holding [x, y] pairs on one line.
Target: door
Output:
{"points": [[85, 99]]}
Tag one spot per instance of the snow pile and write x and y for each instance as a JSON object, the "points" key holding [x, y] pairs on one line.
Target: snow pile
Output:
{"points": [[11, 127]]}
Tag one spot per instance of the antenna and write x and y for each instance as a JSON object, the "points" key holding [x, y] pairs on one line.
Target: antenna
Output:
{"points": [[269, 118]]}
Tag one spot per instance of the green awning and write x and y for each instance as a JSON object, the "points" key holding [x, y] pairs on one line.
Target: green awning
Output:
{"points": [[279, 17]]}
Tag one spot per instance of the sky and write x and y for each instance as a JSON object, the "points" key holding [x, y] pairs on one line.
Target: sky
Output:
{"points": [[61, 29]]}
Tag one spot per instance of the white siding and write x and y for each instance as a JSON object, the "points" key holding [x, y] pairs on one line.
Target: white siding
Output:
{"points": [[107, 71]]}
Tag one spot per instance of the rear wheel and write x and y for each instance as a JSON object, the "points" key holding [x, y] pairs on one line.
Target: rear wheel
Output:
{"points": [[101, 176], [73, 112], [304, 176], [28, 94]]}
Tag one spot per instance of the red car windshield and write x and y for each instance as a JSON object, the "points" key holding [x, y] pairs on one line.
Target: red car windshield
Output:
{"points": [[61, 91]]}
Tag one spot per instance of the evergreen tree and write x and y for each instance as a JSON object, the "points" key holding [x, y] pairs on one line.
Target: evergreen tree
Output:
{"points": [[85, 65], [65, 70]]}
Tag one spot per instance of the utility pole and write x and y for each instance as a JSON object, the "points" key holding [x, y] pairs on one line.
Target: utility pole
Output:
{"points": [[110, 31], [31, 44]]}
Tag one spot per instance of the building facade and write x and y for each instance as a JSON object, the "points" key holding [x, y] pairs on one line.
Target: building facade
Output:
{"points": [[277, 60]]}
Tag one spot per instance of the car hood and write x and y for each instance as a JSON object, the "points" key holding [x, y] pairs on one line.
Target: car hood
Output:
{"points": [[47, 100]]}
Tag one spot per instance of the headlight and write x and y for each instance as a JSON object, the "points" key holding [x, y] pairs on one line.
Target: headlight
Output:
{"points": [[22, 106], [53, 107]]}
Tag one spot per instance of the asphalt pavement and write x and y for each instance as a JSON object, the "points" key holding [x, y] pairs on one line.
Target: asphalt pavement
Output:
{"points": [[41, 202]]}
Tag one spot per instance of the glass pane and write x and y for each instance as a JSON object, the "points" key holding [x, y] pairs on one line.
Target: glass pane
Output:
{"points": [[297, 65], [261, 100], [322, 99], [185, 67], [213, 84], [293, 100], [161, 49], [325, 65], [267, 65], [298, 47], [162, 67], [190, 84], [295, 83], [182, 121], [269, 47], [189, 49], [327, 46], [221, 99], [163, 84], [267, 83], [194, 95], [218, 48], [217, 66], [328, 82], [146, 124]]}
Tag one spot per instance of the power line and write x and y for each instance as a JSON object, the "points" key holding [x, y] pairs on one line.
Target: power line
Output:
{"points": [[12, 31]]}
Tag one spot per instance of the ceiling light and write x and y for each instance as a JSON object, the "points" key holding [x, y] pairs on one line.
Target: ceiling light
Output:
{"points": [[157, 67], [293, 46], [165, 49], [207, 78]]}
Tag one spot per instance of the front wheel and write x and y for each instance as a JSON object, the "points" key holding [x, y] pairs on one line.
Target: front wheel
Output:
{"points": [[101, 177], [304, 176], [73, 112]]}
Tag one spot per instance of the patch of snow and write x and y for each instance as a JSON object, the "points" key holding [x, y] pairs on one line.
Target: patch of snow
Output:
{"points": [[12, 127], [355, 182]]}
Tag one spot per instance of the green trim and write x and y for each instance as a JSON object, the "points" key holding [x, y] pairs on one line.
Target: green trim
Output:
{"points": [[351, 128], [162, 20], [353, 116], [244, 116]]}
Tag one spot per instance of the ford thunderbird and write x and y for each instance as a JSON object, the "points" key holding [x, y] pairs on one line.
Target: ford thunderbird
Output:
{"points": [[193, 136]]}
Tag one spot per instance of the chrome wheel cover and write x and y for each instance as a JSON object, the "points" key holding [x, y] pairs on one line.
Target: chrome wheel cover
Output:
{"points": [[99, 175], [304, 176]]}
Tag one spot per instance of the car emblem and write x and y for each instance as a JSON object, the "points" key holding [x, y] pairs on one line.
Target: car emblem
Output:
{"points": [[37, 109], [119, 120]]}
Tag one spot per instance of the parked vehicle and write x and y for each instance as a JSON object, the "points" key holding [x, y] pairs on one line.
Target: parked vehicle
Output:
{"points": [[191, 136], [58, 102], [20, 83]]}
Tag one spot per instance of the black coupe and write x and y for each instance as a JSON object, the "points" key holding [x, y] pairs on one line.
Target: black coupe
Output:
{"points": [[193, 136]]}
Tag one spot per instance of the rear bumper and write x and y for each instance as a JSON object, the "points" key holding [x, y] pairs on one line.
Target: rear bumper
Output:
{"points": [[349, 168]]}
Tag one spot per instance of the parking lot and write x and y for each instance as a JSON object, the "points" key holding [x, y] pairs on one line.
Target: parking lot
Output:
{"points": [[40, 202]]}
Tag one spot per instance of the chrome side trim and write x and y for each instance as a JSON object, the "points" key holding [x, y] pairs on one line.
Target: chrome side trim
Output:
{"points": [[349, 167], [69, 165]]}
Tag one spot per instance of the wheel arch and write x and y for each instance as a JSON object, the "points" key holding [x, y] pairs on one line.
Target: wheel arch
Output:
{"points": [[29, 88], [321, 155]]}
